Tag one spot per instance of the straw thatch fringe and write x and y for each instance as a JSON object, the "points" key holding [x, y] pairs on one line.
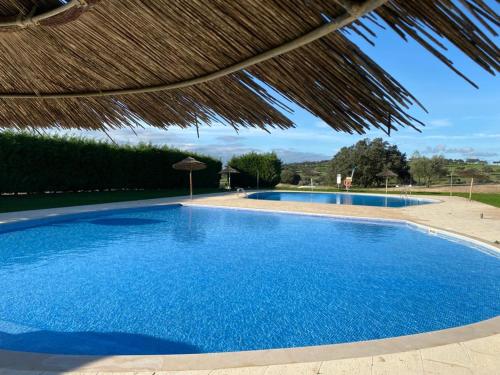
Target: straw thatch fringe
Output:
{"points": [[132, 43], [445, 19], [356, 94], [57, 14], [344, 19]]}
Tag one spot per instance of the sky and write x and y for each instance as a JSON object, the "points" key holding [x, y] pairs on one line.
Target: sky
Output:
{"points": [[462, 121]]}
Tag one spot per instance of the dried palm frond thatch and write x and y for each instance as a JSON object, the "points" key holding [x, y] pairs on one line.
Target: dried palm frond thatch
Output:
{"points": [[106, 64]]}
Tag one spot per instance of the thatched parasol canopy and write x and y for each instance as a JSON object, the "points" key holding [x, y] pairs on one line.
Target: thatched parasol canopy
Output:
{"points": [[98, 64], [471, 173], [228, 169], [190, 164], [387, 174]]}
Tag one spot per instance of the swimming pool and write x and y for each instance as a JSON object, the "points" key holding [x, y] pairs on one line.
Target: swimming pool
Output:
{"points": [[341, 198], [180, 279]]}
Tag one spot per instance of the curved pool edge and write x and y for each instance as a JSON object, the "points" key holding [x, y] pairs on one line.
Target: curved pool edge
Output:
{"points": [[25, 361], [419, 226], [411, 197], [39, 362]]}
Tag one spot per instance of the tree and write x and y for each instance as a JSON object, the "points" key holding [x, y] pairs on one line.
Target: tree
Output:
{"points": [[290, 177], [369, 158], [266, 166], [426, 169], [487, 169]]}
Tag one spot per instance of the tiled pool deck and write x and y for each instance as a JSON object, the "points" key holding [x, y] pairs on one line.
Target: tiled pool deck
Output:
{"points": [[473, 349]]}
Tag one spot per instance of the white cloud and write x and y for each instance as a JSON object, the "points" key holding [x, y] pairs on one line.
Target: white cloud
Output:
{"points": [[218, 151], [440, 123], [230, 138], [451, 137], [466, 152], [129, 136], [294, 156], [485, 154]]}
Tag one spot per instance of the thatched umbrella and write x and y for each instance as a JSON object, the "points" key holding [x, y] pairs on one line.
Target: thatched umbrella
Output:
{"points": [[471, 173], [110, 64], [228, 169], [190, 164], [387, 173]]}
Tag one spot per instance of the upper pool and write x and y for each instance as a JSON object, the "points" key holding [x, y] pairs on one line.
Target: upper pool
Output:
{"points": [[341, 198], [182, 279]]}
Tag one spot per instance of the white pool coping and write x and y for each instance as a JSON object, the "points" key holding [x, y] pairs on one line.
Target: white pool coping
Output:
{"points": [[25, 361], [392, 195]]}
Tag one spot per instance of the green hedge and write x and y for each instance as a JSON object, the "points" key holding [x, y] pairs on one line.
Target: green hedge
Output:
{"points": [[40, 164], [268, 165]]}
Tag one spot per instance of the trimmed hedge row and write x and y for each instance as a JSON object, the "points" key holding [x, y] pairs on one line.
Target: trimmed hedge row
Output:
{"points": [[40, 164]]}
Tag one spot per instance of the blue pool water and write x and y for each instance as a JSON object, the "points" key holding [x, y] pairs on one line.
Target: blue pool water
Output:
{"points": [[191, 279], [340, 198]]}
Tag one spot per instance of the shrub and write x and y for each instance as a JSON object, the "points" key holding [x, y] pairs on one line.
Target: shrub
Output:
{"points": [[268, 166], [39, 164], [289, 177]]}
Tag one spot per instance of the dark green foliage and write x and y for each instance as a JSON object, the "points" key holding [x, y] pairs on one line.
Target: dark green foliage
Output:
{"points": [[268, 165], [40, 164], [369, 158], [290, 177]]}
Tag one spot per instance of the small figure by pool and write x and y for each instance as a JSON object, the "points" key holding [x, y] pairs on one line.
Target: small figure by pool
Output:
{"points": [[341, 198]]}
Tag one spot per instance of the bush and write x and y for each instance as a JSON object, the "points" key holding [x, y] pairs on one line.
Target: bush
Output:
{"points": [[268, 166], [289, 177], [39, 164]]}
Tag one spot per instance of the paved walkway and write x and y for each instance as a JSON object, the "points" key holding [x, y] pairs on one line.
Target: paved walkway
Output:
{"points": [[468, 356], [476, 357]]}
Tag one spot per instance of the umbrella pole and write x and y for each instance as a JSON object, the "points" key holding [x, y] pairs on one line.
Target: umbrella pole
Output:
{"points": [[470, 190], [386, 184], [229, 178], [191, 184]]}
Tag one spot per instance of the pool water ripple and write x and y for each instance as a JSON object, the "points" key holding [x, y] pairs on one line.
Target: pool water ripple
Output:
{"points": [[342, 198], [196, 280]]}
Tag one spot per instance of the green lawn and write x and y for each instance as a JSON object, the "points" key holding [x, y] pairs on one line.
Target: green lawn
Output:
{"points": [[9, 203], [487, 198], [40, 201]]}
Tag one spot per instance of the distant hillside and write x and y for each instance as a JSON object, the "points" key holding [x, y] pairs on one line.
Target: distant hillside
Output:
{"points": [[492, 171], [318, 170]]}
